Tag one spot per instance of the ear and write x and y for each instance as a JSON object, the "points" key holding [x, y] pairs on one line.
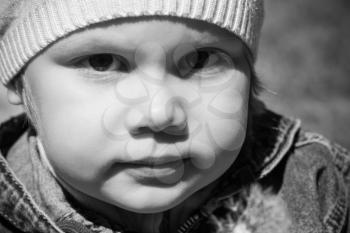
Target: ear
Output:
{"points": [[14, 97]]}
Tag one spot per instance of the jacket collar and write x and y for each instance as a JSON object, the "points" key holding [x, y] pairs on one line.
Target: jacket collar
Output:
{"points": [[18, 207], [274, 136]]}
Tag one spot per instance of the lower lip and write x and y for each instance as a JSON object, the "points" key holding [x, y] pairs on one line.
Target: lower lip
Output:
{"points": [[162, 172]]}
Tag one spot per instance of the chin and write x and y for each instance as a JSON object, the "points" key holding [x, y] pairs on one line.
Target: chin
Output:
{"points": [[153, 205], [148, 201], [150, 209]]}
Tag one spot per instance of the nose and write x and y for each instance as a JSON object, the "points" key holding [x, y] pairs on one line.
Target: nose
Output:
{"points": [[164, 113]]}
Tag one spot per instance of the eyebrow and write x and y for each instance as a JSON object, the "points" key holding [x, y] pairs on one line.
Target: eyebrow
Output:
{"points": [[86, 42]]}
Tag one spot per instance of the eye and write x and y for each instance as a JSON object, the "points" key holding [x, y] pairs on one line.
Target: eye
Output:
{"points": [[105, 62], [198, 60], [208, 60]]}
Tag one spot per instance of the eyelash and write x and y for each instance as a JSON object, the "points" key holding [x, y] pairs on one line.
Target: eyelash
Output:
{"points": [[184, 67], [223, 59], [84, 61]]}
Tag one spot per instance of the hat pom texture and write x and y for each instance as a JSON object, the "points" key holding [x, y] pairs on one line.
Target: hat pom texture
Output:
{"points": [[29, 26]]}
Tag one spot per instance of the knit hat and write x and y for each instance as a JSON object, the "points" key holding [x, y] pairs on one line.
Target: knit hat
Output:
{"points": [[29, 26]]}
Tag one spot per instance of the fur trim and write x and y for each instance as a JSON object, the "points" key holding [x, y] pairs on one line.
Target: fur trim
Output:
{"points": [[254, 211]]}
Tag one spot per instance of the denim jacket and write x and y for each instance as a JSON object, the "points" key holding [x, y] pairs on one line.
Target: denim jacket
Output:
{"points": [[311, 175]]}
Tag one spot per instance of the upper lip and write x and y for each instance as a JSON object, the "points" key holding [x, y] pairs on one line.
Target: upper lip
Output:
{"points": [[153, 161]]}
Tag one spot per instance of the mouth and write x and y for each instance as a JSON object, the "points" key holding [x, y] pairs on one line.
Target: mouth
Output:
{"points": [[155, 170], [159, 161]]}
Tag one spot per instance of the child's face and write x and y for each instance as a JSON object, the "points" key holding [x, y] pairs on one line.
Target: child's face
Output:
{"points": [[118, 96]]}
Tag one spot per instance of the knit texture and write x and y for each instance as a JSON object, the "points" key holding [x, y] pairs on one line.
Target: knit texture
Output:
{"points": [[29, 26]]}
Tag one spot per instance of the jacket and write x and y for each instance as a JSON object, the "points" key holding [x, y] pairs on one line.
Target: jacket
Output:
{"points": [[309, 173]]}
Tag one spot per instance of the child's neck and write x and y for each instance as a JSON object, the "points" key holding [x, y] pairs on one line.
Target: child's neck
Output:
{"points": [[146, 223]]}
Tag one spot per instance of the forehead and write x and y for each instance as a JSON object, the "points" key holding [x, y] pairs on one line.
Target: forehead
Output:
{"points": [[165, 31]]}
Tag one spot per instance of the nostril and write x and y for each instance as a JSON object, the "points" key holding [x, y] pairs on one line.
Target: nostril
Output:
{"points": [[180, 129], [141, 131], [170, 137]]}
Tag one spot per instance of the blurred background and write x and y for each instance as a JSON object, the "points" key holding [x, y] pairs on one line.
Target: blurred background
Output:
{"points": [[304, 63]]}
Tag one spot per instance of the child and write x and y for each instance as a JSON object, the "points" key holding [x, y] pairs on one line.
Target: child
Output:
{"points": [[143, 116]]}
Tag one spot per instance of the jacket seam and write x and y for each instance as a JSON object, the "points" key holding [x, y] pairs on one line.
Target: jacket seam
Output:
{"points": [[313, 138], [339, 209], [341, 160]]}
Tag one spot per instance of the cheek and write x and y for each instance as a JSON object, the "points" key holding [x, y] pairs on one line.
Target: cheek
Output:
{"points": [[226, 114], [70, 114], [223, 119]]}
